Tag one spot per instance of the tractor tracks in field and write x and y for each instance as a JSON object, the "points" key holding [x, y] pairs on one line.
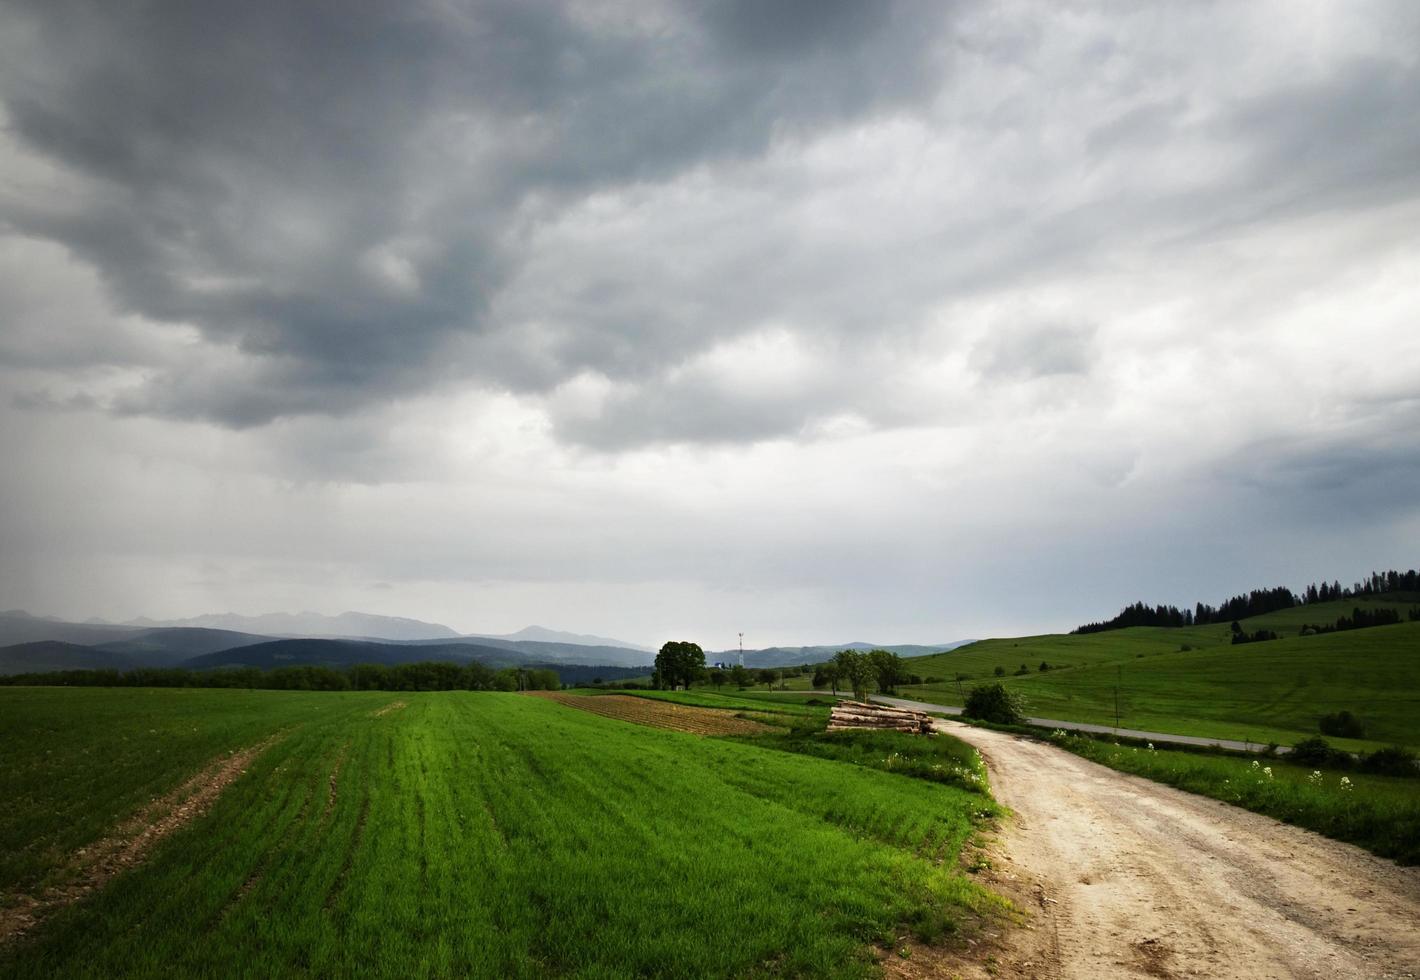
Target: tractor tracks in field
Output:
{"points": [[128, 845], [1125, 877]]}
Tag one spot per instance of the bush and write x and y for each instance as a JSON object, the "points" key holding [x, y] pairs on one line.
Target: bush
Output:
{"points": [[1000, 671], [993, 703], [1317, 751], [1391, 761], [1342, 724]]}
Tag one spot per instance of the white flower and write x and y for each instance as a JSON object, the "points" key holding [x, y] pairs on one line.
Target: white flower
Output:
{"points": [[1255, 763], [1268, 770], [1151, 746]]}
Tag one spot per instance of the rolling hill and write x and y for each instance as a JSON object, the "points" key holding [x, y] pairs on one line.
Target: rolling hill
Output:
{"points": [[44, 656], [348, 653], [167, 647], [1194, 680]]}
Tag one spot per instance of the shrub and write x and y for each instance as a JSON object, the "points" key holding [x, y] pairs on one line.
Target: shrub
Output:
{"points": [[1391, 761], [1342, 724], [1314, 751], [1044, 666], [993, 703]]}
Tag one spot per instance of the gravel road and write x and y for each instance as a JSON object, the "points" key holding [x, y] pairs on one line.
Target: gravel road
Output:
{"points": [[1129, 878], [1080, 726]]}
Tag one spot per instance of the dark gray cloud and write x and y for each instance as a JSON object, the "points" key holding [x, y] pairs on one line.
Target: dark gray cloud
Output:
{"points": [[821, 318], [336, 192]]}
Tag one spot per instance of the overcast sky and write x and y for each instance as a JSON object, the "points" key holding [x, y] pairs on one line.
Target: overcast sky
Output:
{"points": [[816, 320]]}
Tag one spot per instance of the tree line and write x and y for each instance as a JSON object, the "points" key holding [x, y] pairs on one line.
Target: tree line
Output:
{"points": [[1256, 603], [1359, 619], [681, 663], [429, 675]]}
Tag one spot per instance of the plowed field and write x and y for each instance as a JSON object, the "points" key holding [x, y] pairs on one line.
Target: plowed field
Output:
{"points": [[659, 714]]}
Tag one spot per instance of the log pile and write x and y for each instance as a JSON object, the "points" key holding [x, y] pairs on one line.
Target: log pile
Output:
{"points": [[861, 714]]}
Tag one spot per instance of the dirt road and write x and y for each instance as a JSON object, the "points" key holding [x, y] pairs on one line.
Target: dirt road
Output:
{"points": [[1129, 878]]}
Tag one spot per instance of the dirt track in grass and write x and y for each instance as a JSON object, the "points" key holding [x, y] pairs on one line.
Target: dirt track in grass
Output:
{"points": [[92, 867], [1125, 877], [659, 714]]}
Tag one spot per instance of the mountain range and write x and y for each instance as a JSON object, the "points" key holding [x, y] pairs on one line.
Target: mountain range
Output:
{"points": [[41, 644]]}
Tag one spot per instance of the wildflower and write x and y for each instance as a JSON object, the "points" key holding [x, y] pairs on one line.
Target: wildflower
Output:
{"points": [[1255, 763], [1268, 770], [1315, 777], [1346, 783], [1151, 746]]}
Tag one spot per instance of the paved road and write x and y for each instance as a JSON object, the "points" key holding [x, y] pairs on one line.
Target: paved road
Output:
{"points": [[1080, 726], [1125, 877]]}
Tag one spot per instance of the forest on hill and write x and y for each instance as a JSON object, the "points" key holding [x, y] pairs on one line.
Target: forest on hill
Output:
{"points": [[1258, 602]]}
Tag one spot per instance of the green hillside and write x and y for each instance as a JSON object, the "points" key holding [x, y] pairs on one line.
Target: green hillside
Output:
{"points": [[1270, 691]]}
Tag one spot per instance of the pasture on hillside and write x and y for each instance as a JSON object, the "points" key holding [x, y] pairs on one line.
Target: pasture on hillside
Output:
{"points": [[1271, 691], [462, 833]]}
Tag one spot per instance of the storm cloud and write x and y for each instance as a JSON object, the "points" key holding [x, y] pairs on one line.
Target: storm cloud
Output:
{"points": [[709, 306]]}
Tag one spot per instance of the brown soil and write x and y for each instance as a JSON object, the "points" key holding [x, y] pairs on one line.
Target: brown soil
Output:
{"points": [[1125, 877], [334, 786], [90, 868], [659, 714]]}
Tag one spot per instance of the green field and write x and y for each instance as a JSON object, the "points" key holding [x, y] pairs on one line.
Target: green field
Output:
{"points": [[470, 834], [1271, 691]]}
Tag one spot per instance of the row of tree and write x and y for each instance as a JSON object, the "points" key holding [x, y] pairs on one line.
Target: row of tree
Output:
{"points": [[1358, 620], [1241, 635], [423, 676], [1256, 603], [855, 670], [681, 663]]}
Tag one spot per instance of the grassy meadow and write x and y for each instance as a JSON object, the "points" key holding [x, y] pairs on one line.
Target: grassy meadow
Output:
{"points": [[465, 833], [1262, 692]]}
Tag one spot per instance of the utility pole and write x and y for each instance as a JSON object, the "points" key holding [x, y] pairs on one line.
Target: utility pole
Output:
{"points": [[742, 649], [1118, 676]]}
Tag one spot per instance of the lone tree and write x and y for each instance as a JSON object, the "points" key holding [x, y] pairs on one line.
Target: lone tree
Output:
{"points": [[887, 669], [679, 662]]}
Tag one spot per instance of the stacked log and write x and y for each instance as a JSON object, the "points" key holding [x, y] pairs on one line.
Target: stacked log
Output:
{"points": [[862, 714]]}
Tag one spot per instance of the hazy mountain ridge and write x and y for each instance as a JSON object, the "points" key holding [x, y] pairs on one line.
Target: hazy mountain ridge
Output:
{"points": [[342, 654], [541, 634], [309, 624], [324, 652], [794, 656], [153, 643]]}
